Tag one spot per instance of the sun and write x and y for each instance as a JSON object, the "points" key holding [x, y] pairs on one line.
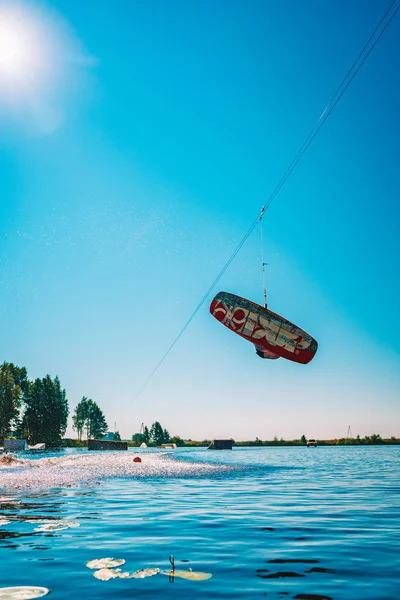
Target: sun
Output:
{"points": [[24, 57], [13, 50], [41, 61]]}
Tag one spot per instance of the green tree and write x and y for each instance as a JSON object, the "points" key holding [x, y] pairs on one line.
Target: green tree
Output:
{"points": [[166, 437], [303, 439], [88, 415], [10, 397], [46, 411], [96, 424], [20, 376], [177, 440], [146, 435], [117, 437], [79, 417], [157, 433], [88, 408]]}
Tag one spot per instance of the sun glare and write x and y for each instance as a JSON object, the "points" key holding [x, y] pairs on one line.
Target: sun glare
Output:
{"points": [[24, 55], [41, 61], [12, 50]]}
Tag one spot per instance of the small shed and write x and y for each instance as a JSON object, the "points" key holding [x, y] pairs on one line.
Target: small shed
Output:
{"points": [[221, 445], [15, 445], [106, 445]]}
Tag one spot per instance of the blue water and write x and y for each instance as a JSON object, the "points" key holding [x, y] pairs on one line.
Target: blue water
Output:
{"points": [[338, 508]]}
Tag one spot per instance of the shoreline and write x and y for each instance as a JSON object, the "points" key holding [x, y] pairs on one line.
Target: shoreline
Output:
{"points": [[367, 441]]}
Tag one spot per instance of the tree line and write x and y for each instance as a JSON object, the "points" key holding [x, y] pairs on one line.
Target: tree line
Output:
{"points": [[38, 410], [372, 440], [35, 410], [155, 435]]}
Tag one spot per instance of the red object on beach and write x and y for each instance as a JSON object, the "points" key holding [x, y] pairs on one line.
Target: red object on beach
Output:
{"points": [[137, 459]]}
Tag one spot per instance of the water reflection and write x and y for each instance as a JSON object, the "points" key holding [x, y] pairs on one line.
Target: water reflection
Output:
{"points": [[321, 570], [24, 513], [320, 531], [4, 535], [311, 597], [280, 575]]}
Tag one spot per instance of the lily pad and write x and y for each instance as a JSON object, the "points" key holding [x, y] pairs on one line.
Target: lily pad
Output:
{"points": [[192, 575], [142, 573], [101, 563], [50, 526], [39, 521], [23, 592], [106, 574]]}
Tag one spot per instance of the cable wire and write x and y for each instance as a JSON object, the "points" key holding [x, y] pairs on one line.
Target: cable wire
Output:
{"points": [[341, 89]]}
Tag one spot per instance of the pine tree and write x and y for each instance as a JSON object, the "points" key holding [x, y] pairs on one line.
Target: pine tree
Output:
{"points": [[146, 435], [98, 424], [10, 396], [46, 411], [158, 434]]}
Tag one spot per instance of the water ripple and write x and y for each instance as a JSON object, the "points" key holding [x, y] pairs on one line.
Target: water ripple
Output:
{"points": [[275, 522]]}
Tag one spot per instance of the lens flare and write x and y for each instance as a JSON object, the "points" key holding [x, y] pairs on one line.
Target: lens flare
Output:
{"points": [[12, 49], [43, 66], [24, 58]]}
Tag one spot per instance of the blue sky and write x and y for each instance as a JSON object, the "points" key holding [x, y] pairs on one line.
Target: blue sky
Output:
{"points": [[133, 168]]}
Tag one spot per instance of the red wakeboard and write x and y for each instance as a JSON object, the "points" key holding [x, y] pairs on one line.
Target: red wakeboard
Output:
{"points": [[267, 330]]}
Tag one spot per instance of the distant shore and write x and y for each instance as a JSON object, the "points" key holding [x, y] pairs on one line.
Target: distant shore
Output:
{"points": [[374, 440]]}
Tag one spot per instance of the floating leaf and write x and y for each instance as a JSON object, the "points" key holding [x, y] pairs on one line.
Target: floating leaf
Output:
{"points": [[107, 563], [49, 529], [24, 592], [105, 574], [50, 526], [120, 574], [142, 573], [192, 575]]}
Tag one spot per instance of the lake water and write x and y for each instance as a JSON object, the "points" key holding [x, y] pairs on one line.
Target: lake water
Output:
{"points": [[305, 523]]}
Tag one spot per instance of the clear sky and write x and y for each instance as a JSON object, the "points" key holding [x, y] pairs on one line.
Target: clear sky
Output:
{"points": [[138, 142]]}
